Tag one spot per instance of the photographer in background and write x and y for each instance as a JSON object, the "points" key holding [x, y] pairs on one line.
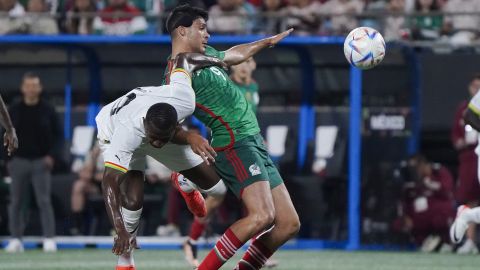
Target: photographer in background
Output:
{"points": [[426, 209]]}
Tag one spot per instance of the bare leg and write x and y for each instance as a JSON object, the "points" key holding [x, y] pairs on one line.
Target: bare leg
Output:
{"points": [[286, 226], [79, 191], [260, 214], [203, 175]]}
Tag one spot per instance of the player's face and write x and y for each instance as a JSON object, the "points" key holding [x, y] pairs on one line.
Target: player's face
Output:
{"points": [[31, 87], [158, 140], [245, 69], [197, 36]]}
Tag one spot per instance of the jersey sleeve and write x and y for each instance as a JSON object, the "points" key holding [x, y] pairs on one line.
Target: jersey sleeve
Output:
{"points": [[474, 104], [210, 51], [120, 150]]}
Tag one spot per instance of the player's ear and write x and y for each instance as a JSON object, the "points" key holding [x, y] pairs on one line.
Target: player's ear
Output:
{"points": [[182, 31]]}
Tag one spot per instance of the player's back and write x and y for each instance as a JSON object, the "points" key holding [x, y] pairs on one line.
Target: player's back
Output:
{"points": [[129, 110], [221, 105]]}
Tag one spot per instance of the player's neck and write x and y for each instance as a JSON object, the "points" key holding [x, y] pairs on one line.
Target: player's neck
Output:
{"points": [[241, 80], [178, 47]]}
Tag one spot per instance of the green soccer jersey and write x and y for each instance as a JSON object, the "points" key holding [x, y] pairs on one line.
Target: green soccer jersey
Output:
{"points": [[250, 91], [221, 105]]}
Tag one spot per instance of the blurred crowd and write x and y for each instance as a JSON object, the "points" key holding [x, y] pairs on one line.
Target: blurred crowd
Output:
{"points": [[455, 20]]}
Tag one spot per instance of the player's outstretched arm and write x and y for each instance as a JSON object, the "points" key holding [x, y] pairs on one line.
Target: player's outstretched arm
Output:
{"points": [[111, 196], [472, 118], [10, 140], [199, 145], [238, 54]]}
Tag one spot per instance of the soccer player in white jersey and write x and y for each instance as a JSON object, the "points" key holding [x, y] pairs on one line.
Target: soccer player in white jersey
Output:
{"points": [[145, 122], [465, 214]]}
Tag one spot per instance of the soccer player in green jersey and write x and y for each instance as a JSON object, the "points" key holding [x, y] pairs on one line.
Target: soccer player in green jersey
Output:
{"points": [[242, 159], [241, 75]]}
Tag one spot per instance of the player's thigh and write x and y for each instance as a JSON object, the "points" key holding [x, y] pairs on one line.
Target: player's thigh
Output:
{"points": [[246, 163], [258, 200], [202, 175], [175, 157], [286, 217]]}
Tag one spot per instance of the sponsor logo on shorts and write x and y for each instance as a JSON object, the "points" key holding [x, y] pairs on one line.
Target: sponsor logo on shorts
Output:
{"points": [[254, 169]]}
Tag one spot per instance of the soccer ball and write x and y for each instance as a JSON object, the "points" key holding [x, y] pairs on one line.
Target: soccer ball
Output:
{"points": [[364, 47]]}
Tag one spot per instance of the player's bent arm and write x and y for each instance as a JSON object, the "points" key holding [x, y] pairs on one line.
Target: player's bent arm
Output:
{"points": [[180, 136], [5, 117], [111, 196], [472, 118], [238, 54], [199, 145], [10, 139]]}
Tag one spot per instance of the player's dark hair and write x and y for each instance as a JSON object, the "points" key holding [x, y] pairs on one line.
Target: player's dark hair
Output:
{"points": [[476, 76], [184, 15], [30, 75], [161, 119]]}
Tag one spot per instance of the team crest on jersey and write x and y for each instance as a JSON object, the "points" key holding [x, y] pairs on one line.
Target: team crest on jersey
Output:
{"points": [[254, 169]]}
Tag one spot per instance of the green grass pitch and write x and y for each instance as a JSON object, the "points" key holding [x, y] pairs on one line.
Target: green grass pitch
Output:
{"points": [[100, 259]]}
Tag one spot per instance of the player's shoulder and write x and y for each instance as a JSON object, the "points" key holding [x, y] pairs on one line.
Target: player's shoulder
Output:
{"points": [[211, 51]]}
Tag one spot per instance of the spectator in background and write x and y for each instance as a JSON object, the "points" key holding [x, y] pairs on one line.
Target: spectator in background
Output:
{"points": [[272, 20], [465, 139], [341, 24], [79, 17], [395, 24], [12, 7], [88, 183], [241, 75], [302, 15], [462, 28], [120, 18], [228, 17], [39, 132], [39, 21], [13, 23], [427, 204], [426, 26]]}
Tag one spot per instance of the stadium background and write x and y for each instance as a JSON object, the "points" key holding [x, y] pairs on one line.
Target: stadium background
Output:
{"points": [[408, 105]]}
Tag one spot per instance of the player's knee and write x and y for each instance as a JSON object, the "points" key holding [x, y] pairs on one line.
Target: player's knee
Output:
{"points": [[293, 227], [78, 186], [289, 227], [262, 219], [132, 203]]}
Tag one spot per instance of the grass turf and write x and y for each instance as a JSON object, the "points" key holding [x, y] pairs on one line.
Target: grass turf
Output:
{"points": [[100, 259]]}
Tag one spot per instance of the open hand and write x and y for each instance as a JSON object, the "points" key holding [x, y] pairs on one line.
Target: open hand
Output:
{"points": [[123, 243], [201, 147], [273, 40]]}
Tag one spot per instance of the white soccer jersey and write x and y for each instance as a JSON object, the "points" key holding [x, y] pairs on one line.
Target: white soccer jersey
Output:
{"points": [[474, 105], [120, 124]]}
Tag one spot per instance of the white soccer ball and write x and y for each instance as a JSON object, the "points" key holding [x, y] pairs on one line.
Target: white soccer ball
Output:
{"points": [[364, 47]]}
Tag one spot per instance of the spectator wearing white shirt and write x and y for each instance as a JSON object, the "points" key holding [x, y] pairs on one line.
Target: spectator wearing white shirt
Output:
{"points": [[228, 17], [462, 28], [13, 23], [39, 20], [120, 18], [342, 24]]}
